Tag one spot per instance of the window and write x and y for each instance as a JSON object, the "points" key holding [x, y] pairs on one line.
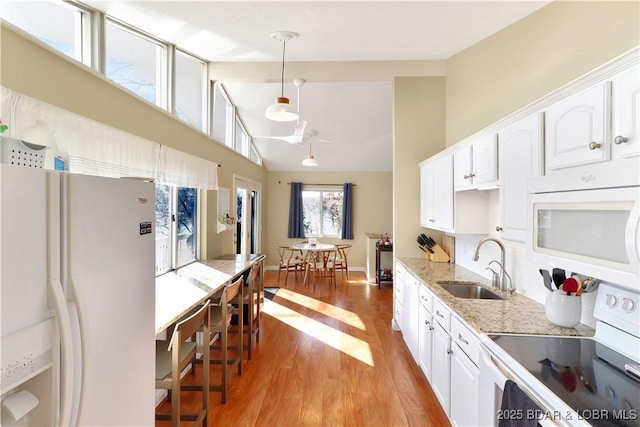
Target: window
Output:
{"points": [[58, 24], [254, 156], [223, 116], [177, 233], [322, 212], [241, 138], [136, 62], [190, 90]]}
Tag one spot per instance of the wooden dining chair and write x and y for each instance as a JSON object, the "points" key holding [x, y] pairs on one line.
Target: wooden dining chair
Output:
{"points": [[342, 262], [173, 356], [323, 266], [291, 260]]}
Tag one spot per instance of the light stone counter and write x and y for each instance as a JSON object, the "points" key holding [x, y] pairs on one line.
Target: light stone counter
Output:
{"points": [[177, 293], [516, 314]]}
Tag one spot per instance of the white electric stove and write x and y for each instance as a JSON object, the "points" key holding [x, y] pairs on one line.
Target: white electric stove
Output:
{"points": [[575, 381]]}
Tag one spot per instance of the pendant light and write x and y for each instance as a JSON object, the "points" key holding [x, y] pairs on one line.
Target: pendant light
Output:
{"points": [[310, 160], [281, 110]]}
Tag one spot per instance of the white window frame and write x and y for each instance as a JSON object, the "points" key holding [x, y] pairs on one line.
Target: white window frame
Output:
{"points": [[173, 230], [327, 189], [163, 68]]}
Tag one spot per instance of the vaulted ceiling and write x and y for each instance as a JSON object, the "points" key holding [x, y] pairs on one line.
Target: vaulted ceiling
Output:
{"points": [[352, 106]]}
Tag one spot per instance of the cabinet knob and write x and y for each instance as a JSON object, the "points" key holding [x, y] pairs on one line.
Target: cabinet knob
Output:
{"points": [[498, 228], [472, 175], [620, 140], [467, 176], [594, 145], [449, 351]]}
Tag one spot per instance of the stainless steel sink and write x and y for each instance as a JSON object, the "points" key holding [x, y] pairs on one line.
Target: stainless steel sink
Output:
{"points": [[469, 290]]}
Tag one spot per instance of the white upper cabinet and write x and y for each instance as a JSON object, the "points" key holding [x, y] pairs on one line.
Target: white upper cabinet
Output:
{"points": [[476, 163], [520, 148], [463, 168], [575, 129], [436, 193], [625, 105]]}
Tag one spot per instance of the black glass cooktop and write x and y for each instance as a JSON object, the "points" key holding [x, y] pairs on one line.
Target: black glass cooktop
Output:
{"points": [[588, 376]]}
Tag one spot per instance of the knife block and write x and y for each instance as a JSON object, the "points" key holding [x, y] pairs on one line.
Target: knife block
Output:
{"points": [[438, 255]]}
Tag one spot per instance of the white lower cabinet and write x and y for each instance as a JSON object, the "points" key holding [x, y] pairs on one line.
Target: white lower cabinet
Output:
{"points": [[425, 332], [464, 375], [441, 367], [398, 298], [441, 357], [410, 319]]}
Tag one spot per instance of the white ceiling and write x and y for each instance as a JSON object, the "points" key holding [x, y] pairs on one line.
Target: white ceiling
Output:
{"points": [[357, 115]]}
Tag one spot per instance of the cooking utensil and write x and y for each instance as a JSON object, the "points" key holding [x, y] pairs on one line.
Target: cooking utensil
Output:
{"points": [[558, 276], [571, 285], [589, 285], [546, 276]]}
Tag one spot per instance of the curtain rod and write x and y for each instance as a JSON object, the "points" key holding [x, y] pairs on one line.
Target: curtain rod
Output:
{"points": [[308, 183]]}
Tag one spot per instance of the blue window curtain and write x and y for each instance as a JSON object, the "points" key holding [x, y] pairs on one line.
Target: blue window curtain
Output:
{"points": [[347, 212], [296, 224]]}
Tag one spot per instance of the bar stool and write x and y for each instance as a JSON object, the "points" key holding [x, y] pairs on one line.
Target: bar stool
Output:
{"points": [[221, 312], [173, 356]]}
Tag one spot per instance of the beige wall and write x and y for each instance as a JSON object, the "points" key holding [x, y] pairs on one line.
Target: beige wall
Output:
{"points": [[29, 68], [533, 57], [372, 212], [418, 133]]}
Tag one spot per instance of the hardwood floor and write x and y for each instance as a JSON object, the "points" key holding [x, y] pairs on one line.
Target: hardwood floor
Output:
{"points": [[325, 358]]}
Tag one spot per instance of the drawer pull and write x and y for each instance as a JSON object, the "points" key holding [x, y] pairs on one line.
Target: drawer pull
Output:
{"points": [[461, 338], [594, 145], [449, 351], [439, 314], [426, 322]]}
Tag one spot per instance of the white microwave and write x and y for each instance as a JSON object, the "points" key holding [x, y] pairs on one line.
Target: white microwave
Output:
{"points": [[588, 223]]}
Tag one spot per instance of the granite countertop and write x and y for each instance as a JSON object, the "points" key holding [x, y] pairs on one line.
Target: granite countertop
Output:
{"points": [[516, 314]]}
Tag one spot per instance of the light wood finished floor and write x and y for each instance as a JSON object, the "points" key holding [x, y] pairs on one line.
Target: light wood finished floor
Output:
{"points": [[325, 358]]}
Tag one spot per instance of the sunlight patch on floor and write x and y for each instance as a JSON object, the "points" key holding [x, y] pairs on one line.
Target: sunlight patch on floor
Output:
{"points": [[354, 347], [329, 310]]}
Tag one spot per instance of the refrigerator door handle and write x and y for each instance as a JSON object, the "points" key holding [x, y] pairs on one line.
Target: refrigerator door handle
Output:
{"points": [[78, 316], [66, 351]]}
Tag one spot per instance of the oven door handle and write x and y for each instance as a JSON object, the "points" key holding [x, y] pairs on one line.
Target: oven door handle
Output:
{"points": [[500, 374]]}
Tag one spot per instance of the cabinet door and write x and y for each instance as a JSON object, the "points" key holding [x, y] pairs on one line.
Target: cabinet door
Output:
{"points": [[462, 167], [443, 192], [425, 341], [625, 136], [519, 161], [427, 205], [485, 159], [399, 289], [441, 366], [464, 389], [410, 323], [575, 130]]}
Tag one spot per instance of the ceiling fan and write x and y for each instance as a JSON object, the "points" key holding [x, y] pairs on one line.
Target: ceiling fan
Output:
{"points": [[300, 133]]}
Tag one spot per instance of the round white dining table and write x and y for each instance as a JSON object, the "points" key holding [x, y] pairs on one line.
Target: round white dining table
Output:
{"points": [[315, 247], [309, 248]]}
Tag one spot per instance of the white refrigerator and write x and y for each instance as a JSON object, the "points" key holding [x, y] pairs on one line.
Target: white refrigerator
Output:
{"points": [[77, 286]]}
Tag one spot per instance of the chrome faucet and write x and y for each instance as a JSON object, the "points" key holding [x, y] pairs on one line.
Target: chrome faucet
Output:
{"points": [[502, 275]]}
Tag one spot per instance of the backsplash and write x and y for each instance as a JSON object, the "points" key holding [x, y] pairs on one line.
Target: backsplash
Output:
{"points": [[524, 272]]}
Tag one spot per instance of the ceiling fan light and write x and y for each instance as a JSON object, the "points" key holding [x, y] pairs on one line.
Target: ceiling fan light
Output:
{"points": [[310, 161], [281, 111]]}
